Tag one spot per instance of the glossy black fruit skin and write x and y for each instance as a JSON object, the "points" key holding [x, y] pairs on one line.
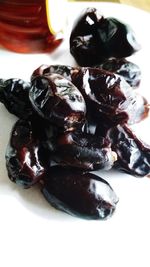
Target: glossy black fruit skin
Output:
{"points": [[127, 69], [63, 70], [122, 42], [133, 154], [83, 151], [26, 157], [98, 128], [95, 38], [14, 94], [80, 194], [56, 99], [84, 44], [109, 99]]}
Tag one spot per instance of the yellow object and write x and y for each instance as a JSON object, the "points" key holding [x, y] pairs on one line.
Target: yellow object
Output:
{"points": [[56, 16], [143, 4]]}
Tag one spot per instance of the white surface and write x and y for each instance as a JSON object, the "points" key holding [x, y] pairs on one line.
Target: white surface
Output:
{"points": [[34, 234]]}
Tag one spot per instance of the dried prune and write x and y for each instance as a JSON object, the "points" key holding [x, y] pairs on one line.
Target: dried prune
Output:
{"points": [[66, 71], [26, 157], [95, 38], [80, 194], [133, 154], [77, 118], [58, 100], [14, 94], [81, 150], [109, 98], [127, 69]]}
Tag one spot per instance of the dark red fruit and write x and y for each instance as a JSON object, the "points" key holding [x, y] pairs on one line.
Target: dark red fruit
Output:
{"points": [[95, 38], [80, 194], [109, 99], [58, 100], [127, 69], [14, 94], [46, 70], [81, 150], [26, 157], [133, 154]]}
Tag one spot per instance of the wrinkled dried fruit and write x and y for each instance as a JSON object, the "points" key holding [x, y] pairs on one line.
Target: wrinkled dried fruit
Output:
{"points": [[133, 154], [79, 194], [26, 157], [81, 150], [14, 94], [46, 70], [128, 70], [109, 99], [56, 99], [95, 38]]}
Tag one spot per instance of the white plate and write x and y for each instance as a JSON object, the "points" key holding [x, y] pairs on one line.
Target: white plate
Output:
{"points": [[32, 233]]}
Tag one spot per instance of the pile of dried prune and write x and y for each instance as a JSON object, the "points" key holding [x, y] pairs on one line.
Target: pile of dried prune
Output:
{"points": [[74, 120]]}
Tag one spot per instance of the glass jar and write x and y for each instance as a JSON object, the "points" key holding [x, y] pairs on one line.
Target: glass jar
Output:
{"points": [[26, 26]]}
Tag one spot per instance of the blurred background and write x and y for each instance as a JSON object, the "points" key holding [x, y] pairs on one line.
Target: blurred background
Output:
{"points": [[143, 4]]}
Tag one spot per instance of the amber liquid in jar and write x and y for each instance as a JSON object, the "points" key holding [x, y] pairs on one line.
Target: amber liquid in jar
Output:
{"points": [[24, 27]]}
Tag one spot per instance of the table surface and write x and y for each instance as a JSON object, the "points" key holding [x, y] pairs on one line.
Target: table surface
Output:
{"points": [[143, 4]]}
